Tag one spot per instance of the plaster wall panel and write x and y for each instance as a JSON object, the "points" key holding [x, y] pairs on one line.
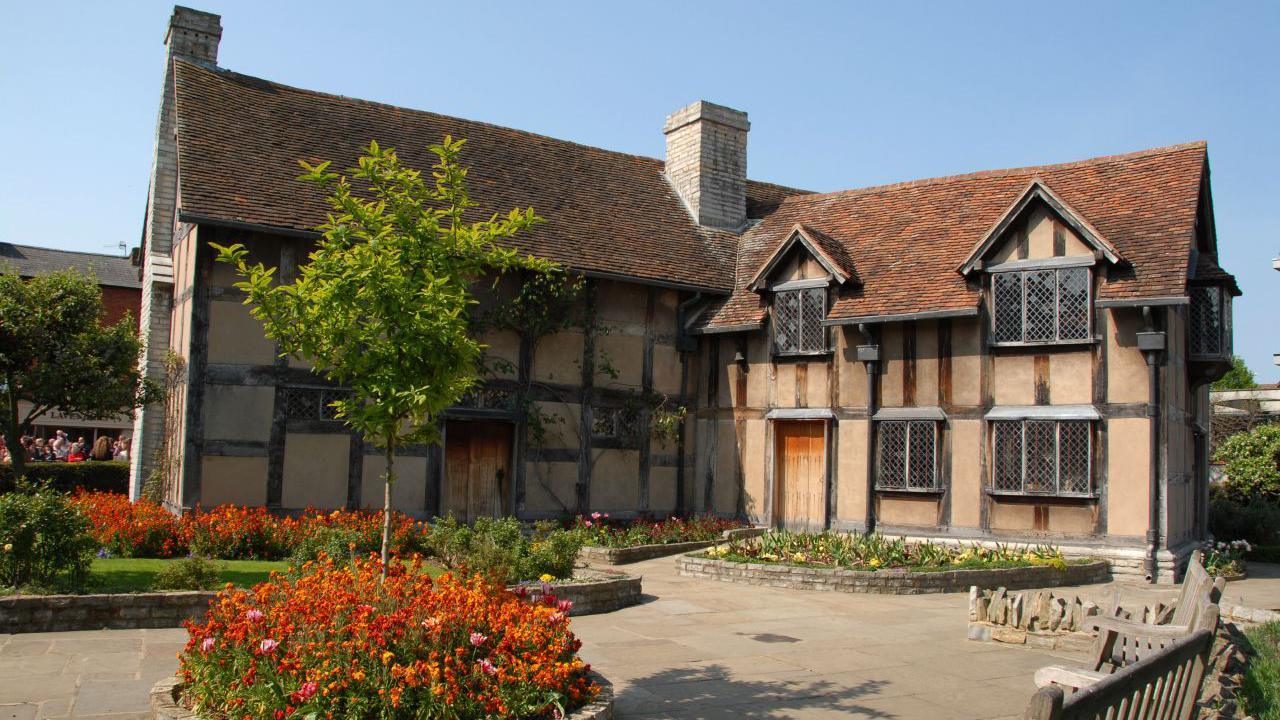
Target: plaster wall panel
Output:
{"points": [[408, 494], [315, 470], [1014, 380], [966, 473], [1126, 368], [1071, 519], [238, 412], [817, 391], [1039, 234], [558, 359], [1012, 517], [618, 302], [233, 480], [562, 424], [851, 471], [1071, 378], [662, 490], [966, 361], [758, 372], [615, 480], [503, 345], [927, 363], [895, 510], [235, 336], [784, 387], [1127, 481], [550, 487], [891, 365], [626, 354], [725, 496], [754, 466], [666, 369]]}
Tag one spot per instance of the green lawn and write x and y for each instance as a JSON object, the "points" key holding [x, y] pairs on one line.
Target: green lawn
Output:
{"points": [[124, 575], [1262, 681]]}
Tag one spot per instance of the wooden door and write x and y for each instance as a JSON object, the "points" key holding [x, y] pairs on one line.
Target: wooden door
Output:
{"points": [[477, 469], [800, 476]]}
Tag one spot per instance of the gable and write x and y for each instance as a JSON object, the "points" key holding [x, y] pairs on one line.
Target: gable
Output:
{"points": [[805, 255]]}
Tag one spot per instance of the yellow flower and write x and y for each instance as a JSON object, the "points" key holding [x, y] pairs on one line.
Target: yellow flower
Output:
{"points": [[546, 577], [8, 547], [874, 562], [798, 557], [386, 656]]}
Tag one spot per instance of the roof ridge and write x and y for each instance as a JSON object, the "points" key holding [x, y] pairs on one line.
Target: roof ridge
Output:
{"points": [[60, 250], [403, 108], [1007, 172]]}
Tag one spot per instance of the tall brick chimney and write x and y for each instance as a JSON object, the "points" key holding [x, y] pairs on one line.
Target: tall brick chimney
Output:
{"points": [[707, 162], [194, 36]]}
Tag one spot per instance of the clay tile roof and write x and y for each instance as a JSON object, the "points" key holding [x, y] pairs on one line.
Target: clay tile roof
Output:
{"points": [[29, 261], [906, 240], [609, 213], [1207, 270]]}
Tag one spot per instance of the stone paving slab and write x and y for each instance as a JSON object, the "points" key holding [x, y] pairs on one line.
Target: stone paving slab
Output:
{"points": [[693, 649]]}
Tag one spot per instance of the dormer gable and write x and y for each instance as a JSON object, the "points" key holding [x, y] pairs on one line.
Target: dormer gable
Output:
{"points": [[1040, 226], [806, 256]]}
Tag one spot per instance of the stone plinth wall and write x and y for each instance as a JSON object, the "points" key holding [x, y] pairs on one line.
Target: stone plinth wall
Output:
{"points": [[889, 582], [624, 555], [165, 694], [1043, 619], [597, 591], [58, 613]]}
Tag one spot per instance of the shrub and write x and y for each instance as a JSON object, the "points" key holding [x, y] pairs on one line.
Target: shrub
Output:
{"points": [[336, 642], [600, 530], [497, 549], [335, 542], [132, 529], [68, 477], [1257, 521], [193, 573], [1252, 464], [231, 532], [44, 540]]}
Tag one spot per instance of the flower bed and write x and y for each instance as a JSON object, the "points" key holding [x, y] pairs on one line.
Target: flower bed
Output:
{"points": [[853, 562], [588, 592], [599, 530], [637, 553], [338, 641], [229, 532]]}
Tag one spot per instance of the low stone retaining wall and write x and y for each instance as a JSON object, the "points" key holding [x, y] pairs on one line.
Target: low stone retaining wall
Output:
{"points": [[888, 582], [1044, 619], [594, 591], [625, 555], [165, 694], [59, 613]]}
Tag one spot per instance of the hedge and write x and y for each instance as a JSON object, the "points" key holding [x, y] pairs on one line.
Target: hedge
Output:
{"points": [[109, 476]]}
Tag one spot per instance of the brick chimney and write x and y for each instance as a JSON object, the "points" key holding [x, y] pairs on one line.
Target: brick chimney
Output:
{"points": [[194, 35], [707, 162]]}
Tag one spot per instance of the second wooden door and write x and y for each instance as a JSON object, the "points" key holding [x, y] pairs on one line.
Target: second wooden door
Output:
{"points": [[477, 469], [800, 475]]}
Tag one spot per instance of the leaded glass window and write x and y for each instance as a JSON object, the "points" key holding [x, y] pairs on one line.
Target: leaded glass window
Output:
{"points": [[1040, 306], [1209, 333], [908, 455], [797, 321], [1042, 457]]}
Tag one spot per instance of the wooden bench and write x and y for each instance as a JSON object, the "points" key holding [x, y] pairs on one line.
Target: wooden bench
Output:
{"points": [[1121, 642], [1164, 685]]}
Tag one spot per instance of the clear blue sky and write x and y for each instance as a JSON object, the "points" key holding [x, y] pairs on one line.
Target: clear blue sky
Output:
{"points": [[840, 95]]}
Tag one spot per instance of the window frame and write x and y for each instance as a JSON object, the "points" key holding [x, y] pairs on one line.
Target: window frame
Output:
{"points": [[1021, 270], [1057, 492], [935, 485], [824, 332], [1223, 308]]}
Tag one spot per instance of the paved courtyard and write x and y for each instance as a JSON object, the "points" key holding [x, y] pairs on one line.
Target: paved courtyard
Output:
{"points": [[694, 649]]}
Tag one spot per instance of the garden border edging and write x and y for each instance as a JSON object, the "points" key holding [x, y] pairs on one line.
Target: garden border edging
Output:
{"points": [[607, 591], [119, 611], [637, 553], [164, 701], [890, 582]]}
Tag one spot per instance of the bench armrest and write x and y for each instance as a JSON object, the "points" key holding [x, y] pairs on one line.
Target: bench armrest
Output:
{"points": [[1130, 627], [1074, 678]]}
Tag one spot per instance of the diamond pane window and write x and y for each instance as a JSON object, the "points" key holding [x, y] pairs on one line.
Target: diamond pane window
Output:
{"points": [[908, 455], [309, 403], [1040, 306], [1209, 333], [1042, 457], [797, 321]]}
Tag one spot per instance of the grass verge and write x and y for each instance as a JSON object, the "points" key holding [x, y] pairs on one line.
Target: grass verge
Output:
{"points": [[128, 575], [1261, 689]]}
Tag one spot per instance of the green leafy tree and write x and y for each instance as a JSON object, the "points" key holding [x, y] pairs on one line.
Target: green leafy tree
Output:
{"points": [[56, 354], [383, 305], [1251, 461], [1239, 377]]}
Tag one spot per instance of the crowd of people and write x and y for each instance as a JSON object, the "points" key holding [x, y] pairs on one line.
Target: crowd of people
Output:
{"points": [[61, 448]]}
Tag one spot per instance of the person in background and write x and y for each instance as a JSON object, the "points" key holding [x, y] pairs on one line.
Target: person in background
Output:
{"points": [[61, 446], [101, 448], [40, 451], [77, 453], [122, 450]]}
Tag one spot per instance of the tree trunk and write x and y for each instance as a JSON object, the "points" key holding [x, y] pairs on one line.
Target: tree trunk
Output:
{"points": [[386, 504], [13, 436]]}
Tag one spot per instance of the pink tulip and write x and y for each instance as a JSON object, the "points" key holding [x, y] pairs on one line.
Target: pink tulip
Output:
{"points": [[488, 667], [207, 645], [254, 615], [267, 645], [477, 639]]}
